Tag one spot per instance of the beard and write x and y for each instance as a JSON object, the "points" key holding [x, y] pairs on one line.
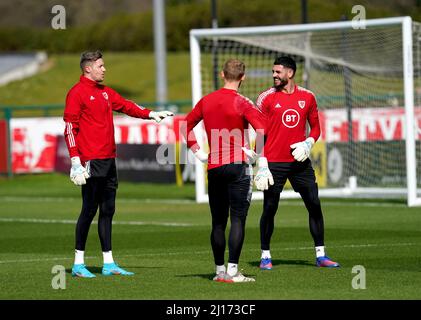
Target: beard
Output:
{"points": [[282, 84]]}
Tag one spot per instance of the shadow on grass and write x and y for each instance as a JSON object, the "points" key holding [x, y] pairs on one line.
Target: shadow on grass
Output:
{"points": [[207, 276], [277, 262], [98, 270]]}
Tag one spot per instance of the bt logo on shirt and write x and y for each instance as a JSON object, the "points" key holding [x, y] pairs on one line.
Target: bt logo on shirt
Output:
{"points": [[290, 118]]}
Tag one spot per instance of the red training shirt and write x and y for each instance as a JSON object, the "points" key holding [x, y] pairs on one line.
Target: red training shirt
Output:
{"points": [[88, 115], [286, 115], [226, 114]]}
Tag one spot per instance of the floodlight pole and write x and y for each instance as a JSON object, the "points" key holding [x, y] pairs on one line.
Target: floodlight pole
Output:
{"points": [[215, 46], [304, 11], [160, 51]]}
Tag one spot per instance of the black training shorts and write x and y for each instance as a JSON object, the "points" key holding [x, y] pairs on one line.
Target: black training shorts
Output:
{"points": [[300, 174], [104, 171]]}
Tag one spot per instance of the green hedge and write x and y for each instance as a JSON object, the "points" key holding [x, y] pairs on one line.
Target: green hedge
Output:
{"points": [[134, 32], [122, 32]]}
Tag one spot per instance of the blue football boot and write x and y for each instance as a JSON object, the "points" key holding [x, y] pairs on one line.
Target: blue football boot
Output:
{"points": [[110, 269], [326, 262], [79, 270]]}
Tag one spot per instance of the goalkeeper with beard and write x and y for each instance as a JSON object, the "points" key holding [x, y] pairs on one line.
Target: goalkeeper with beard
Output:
{"points": [[287, 108]]}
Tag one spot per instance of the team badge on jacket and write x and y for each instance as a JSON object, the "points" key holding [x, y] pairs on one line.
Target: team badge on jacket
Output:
{"points": [[105, 95], [302, 104]]}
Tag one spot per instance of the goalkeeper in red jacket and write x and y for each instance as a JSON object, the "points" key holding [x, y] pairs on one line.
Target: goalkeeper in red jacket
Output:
{"points": [[89, 135], [226, 116]]}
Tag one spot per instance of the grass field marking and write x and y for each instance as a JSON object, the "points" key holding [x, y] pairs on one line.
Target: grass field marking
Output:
{"points": [[134, 223], [187, 201], [209, 251], [37, 260], [72, 199]]}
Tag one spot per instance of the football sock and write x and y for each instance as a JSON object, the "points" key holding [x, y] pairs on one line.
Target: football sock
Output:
{"points": [[320, 251], [108, 257], [79, 257], [232, 269], [266, 254], [220, 269]]}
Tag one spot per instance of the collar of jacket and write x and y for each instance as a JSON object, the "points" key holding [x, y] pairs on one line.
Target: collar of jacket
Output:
{"points": [[90, 82]]}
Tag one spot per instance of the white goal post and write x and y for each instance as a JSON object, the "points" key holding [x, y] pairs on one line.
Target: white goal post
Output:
{"points": [[367, 82]]}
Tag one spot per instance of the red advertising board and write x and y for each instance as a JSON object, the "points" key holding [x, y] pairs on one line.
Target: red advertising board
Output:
{"points": [[369, 124], [34, 141]]}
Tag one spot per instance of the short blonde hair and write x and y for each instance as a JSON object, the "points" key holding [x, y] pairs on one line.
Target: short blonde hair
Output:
{"points": [[234, 70]]}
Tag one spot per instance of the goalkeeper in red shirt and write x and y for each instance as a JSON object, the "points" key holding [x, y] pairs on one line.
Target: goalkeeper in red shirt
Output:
{"points": [[287, 108], [226, 115], [89, 135]]}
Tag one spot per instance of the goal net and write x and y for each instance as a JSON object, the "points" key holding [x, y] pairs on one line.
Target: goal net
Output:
{"points": [[367, 82]]}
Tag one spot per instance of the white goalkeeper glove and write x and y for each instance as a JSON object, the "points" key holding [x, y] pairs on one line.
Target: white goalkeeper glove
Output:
{"points": [[263, 177], [78, 173], [302, 149], [201, 155], [251, 155], [159, 115]]}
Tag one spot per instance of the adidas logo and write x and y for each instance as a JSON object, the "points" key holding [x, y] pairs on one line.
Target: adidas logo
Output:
{"points": [[278, 105], [92, 98]]}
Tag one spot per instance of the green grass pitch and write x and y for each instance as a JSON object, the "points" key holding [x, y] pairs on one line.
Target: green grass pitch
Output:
{"points": [[163, 236]]}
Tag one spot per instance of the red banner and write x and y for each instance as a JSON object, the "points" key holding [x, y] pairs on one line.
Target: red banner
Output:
{"points": [[34, 141], [369, 124], [138, 131]]}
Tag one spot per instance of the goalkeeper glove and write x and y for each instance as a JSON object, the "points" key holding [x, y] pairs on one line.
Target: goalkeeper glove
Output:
{"points": [[302, 149], [251, 155], [78, 173], [159, 115], [263, 177], [201, 155]]}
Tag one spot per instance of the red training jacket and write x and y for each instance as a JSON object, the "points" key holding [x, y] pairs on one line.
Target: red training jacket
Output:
{"points": [[287, 115], [88, 115], [226, 115]]}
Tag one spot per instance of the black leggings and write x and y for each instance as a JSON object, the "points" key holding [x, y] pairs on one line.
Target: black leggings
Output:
{"points": [[301, 176], [95, 194], [229, 189], [270, 206]]}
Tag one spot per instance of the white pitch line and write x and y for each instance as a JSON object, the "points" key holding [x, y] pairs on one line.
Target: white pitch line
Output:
{"points": [[72, 199], [209, 252], [132, 223]]}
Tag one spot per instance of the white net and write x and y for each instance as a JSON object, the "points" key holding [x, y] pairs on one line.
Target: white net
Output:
{"points": [[357, 76]]}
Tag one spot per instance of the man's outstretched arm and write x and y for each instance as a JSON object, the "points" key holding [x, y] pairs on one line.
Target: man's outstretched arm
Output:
{"points": [[132, 109]]}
